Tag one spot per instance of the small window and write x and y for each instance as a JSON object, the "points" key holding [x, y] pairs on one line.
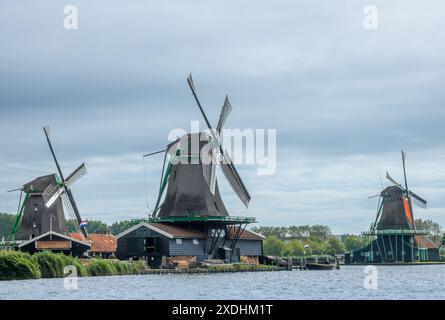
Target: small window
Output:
{"points": [[178, 241], [195, 242]]}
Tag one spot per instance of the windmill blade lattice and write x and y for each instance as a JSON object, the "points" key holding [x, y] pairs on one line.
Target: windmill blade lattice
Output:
{"points": [[71, 213]]}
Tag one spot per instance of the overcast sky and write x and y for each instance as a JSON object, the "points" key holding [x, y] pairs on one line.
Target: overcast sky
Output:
{"points": [[344, 100]]}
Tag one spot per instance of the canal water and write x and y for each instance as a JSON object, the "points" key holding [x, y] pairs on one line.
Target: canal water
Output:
{"points": [[351, 282]]}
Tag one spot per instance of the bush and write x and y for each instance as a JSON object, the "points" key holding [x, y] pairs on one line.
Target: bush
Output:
{"points": [[99, 267], [50, 264], [17, 266], [136, 267]]}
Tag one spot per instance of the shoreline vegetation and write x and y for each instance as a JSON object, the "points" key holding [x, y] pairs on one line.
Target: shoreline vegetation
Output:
{"points": [[15, 265]]}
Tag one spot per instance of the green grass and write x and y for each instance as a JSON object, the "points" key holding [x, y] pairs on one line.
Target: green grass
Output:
{"points": [[20, 266]]}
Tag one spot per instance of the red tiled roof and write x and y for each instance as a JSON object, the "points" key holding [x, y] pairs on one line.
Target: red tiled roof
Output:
{"points": [[423, 242], [245, 235], [53, 245], [179, 232], [99, 242]]}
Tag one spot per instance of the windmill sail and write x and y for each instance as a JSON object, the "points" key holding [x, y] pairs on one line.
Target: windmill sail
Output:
{"points": [[62, 189], [418, 200], [235, 181], [226, 109], [51, 193], [222, 157], [70, 211], [55, 189], [392, 180], [76, 175]]}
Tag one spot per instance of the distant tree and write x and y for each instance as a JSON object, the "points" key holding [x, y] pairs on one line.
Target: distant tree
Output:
{"points": [[316, 246], [274, 246], [299, 232], [121, 226], [320, 231], [335, 246], [295, 232], [293, 248], [270, 231], [6, 223], [433, 228], [353, 243]]}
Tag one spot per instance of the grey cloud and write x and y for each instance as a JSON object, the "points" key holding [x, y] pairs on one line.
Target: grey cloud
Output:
{"points": [[344, 101]]}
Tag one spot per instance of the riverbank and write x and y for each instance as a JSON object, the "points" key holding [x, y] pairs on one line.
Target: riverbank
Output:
{"points": [[22, 266]]}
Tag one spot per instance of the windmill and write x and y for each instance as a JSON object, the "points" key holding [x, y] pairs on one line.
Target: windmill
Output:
{"points": [[395, 209], [189, 195], [41, 203], [393, 236], [192, 188]]}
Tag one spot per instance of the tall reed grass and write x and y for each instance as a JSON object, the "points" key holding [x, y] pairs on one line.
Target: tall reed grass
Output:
{"points": [[19, 266]]}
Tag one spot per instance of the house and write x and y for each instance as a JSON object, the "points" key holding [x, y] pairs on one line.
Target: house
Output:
{"points": [[102, 245], [158, 243], [55, 242]]}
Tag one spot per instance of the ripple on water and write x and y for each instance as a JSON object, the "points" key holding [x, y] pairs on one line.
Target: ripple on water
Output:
{"points": [[395, 282]]}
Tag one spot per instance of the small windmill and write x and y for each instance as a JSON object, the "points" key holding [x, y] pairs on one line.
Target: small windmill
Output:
{"points": [[61, 188], [395, 204], [41, 208]]}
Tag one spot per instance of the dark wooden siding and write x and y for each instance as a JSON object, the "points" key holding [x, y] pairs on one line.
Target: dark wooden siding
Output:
{"points": [[246, 247], [250, 247], [132, 244], [187, 248]]}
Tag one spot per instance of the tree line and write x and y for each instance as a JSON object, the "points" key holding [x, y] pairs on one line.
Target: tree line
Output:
{"points": [[319, 240]]}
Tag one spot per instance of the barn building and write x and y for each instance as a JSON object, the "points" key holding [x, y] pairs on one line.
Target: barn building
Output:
{"points": [[154, 242], [55, 242], [102, 245]]}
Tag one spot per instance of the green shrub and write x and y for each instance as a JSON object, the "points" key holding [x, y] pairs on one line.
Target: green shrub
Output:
{"points": [[136, 267], [99, 267], [51, 264], [17, 266]]}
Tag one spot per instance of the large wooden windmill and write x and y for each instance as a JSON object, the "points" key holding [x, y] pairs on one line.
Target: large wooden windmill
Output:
{"points": [[189, 195]]}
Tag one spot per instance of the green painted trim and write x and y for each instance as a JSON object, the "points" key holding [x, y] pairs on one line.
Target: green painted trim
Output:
{"points": [[19, 217], [241, 220], [394, 232]]}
